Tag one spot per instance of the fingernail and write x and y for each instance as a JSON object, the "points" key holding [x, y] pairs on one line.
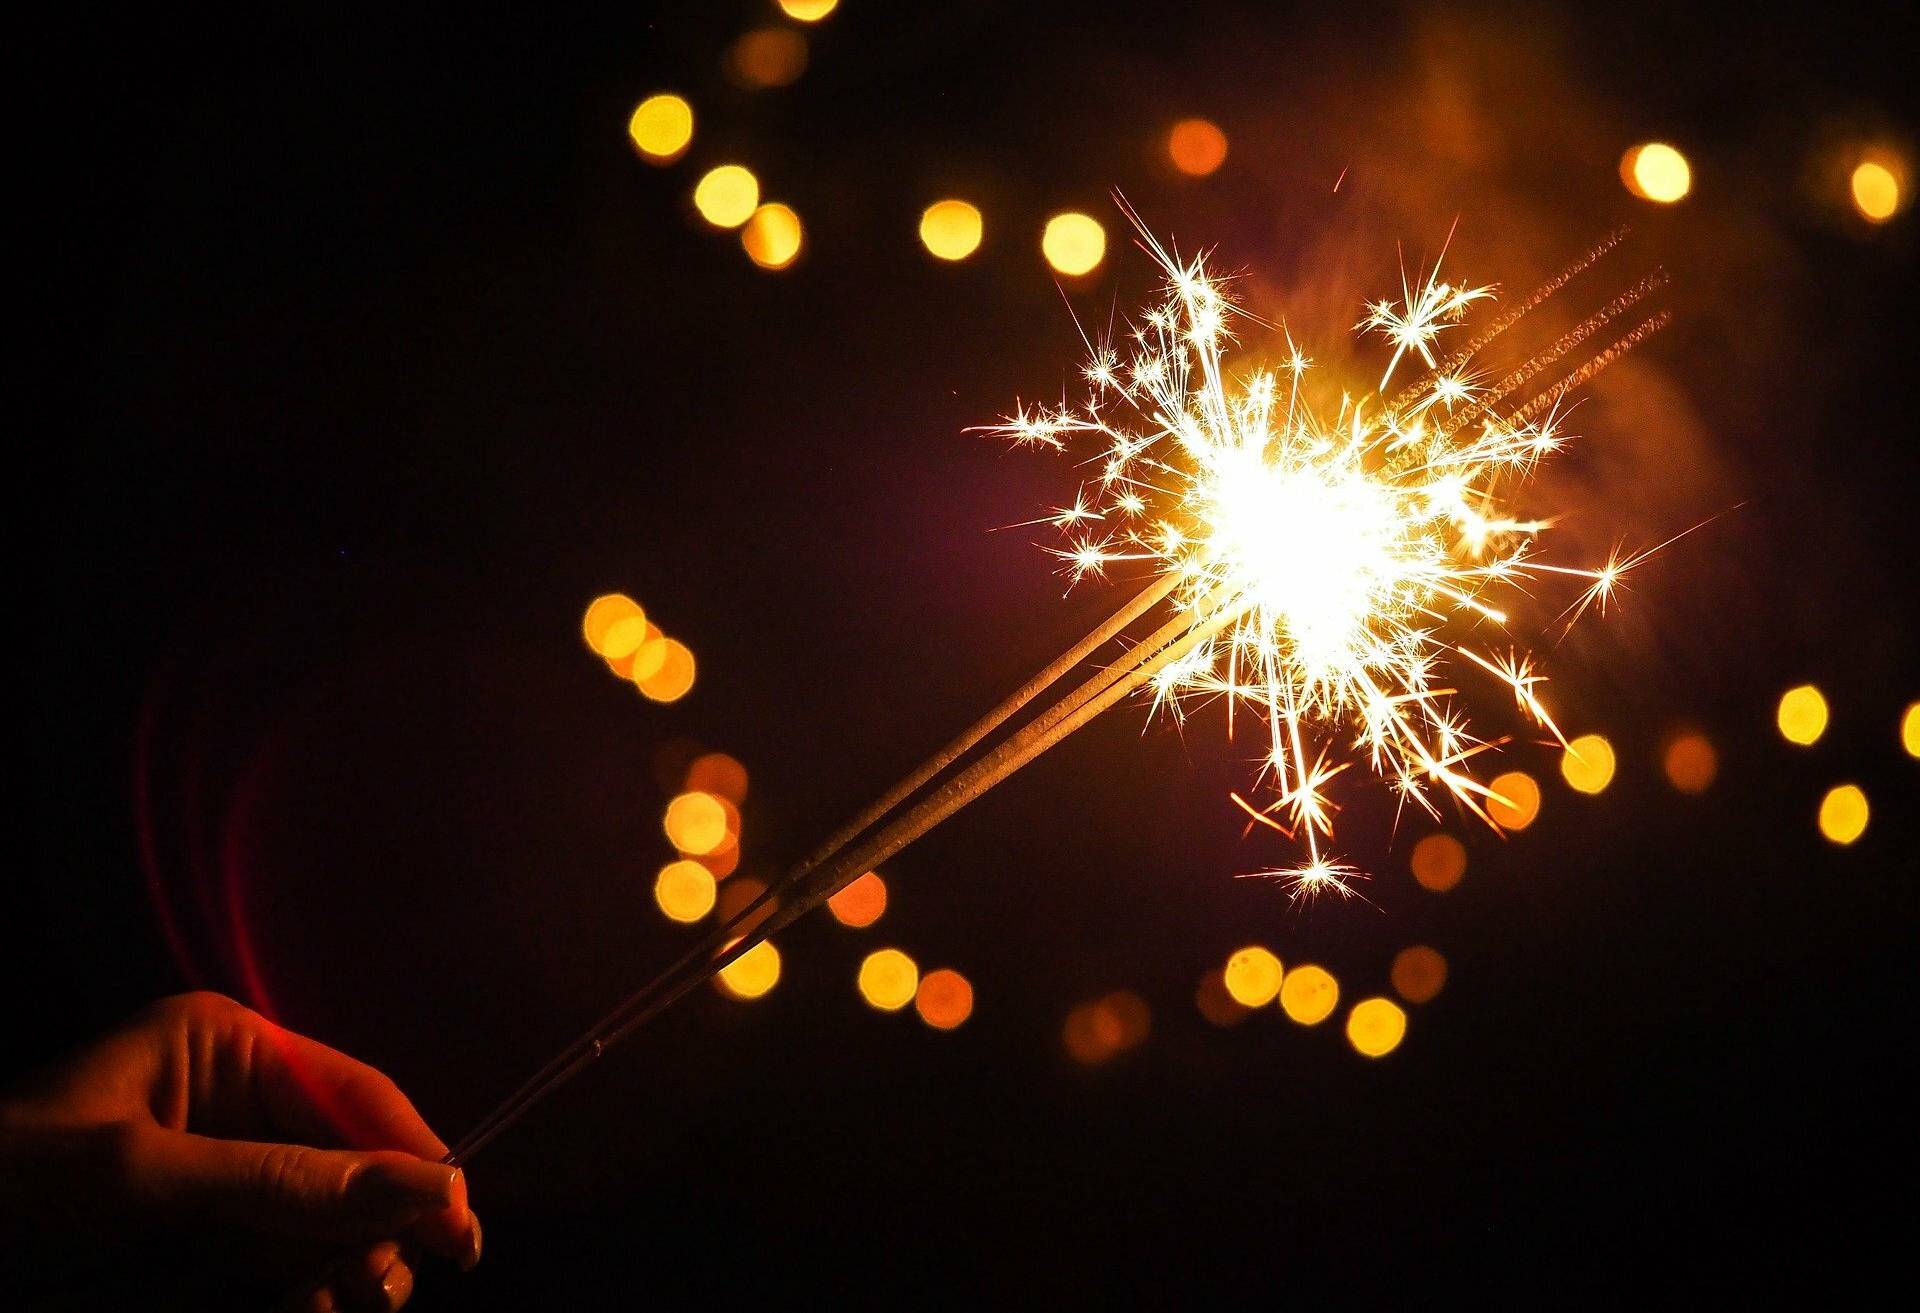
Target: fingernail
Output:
{"points": [[397, 1285], [402, 1185], [471, 1259]]}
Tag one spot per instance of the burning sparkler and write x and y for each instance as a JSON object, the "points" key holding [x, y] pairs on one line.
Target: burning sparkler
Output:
{"points": [[1317, 564], [1352, 553]]}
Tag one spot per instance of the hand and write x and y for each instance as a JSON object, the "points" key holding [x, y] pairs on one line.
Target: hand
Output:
{"points": [[199, 1115]]}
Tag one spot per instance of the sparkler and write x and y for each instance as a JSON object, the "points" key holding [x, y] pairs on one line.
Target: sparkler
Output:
{"points": [[1317, 564], [1354, 544]]}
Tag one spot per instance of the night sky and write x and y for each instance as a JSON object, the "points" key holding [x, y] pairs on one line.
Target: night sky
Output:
{"points": [[376, 352]]}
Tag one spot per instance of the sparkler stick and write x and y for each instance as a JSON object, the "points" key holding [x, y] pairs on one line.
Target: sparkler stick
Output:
{"points": [[918, 778], [831, 868], [1585, 374], [1561, 347], [1484, 338]]}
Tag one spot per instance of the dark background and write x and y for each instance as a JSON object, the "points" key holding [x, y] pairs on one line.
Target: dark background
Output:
{"points": [[373, 353]]}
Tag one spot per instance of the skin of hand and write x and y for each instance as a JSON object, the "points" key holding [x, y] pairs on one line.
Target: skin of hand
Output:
{"points": [[199, 1115]]}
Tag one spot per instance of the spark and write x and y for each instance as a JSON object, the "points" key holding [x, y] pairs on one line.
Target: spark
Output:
{"points": [[1356, 543]]}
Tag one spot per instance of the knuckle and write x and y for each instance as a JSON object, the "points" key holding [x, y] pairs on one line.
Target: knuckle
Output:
{"points": [[283, 1171], [197, 1005]]}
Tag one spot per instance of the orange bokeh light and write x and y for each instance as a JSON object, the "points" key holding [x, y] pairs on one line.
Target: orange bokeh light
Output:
{"points": [[752, 974], [727, 196], [1656, 172], [768, 57], [603, 613], [645, 661], [1843, 814], [718, 774], [861, 902], [671, 680], [1309, 994], [1439, 860], [684, 890], [1876, 190], [889, 979], [1094, 1032], [1074, 244], [697, 823], [1802, 715], [1376, 1026], [773, 236], [951, 229], [1252, 976], [944, 999], [1587, 764], [660, 127], [1516, 800], [1419, 973], [1197, 147], [1690, 763]]}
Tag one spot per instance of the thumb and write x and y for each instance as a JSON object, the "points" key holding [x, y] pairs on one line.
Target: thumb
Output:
{"points": [[289, 1189]]}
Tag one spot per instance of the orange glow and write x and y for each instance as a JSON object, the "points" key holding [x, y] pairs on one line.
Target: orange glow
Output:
{"points": [[889, 979], [1588, 763], [861, 902], [951, 229], [1253, 976], [1876, 191], [1091, 1038], [720, 775], [772, 236], [605, 612], [1910, 730], [661, 127], [684, 890], [808, 11], [1439, 860], [674, 676], [1516, 800], [1074, 244], [1197, 147], [1656, 172], [727, 196], [1419, 973], [1376, 1026], [944, 999], [768, 57], [1843, 814], [1309, 995], [1128, 1016], [754, 973], [1094, 1032], [1215, 1003], [1691, 763], [696, 823], [1802, 715]]}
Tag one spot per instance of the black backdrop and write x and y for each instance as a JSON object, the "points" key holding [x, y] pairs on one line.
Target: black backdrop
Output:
{"points": [[374, 353]]}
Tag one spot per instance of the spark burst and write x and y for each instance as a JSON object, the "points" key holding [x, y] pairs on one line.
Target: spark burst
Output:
{"points": [[1358, 551]]}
